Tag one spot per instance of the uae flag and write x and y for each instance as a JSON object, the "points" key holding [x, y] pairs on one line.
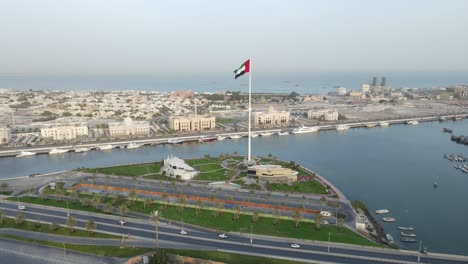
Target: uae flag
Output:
{"points": [[245, 67]]}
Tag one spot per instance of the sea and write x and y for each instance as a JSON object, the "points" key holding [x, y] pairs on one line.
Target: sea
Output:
{"points": [[302, 83], [391, 167]]}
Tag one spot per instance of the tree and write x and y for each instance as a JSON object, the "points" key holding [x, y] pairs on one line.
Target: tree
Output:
{"points": [[53, 226], [237, 211], [255, 216], [155, 218], [277, 216], [1, 217], [132, 195], [297, 216], [107, 208], [182, 203], [146, 202], [19, 218], [91, 226], [123, 209], [199, 207], [160, 257], [217, 212], [86, 202], [165, 198], [74, 195], [96, 201], [71, 224], [340, 223], [322, 202], [4, 186], [318, 221], [45, 193]]}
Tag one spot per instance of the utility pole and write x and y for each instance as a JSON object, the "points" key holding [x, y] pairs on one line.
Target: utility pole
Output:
{"points": [[328, 242], [251, 234], [419, 252], [64, 251], [68, 210]]}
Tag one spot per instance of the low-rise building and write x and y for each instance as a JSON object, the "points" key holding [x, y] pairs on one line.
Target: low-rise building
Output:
{"points": [[128, 127], [271, 118], [327, 115], [192, 123], [365, 88], [341, 90], [177, 168], [273, 173], [65, 132], [5, 134]]}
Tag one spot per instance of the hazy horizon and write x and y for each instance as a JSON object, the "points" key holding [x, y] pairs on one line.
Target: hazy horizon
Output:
{"points": [[89, 38]]}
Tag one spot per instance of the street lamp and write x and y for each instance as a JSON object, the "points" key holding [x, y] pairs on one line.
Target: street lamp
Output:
{"points": [[251, 234], [64, 251], [419, 252], [328, 242], [68, 210]]}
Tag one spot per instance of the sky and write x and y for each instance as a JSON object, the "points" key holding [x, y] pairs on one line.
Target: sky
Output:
{"points": [[136, 37]]}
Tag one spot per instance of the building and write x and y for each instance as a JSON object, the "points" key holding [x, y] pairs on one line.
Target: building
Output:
{"points": [[341, 90], [65, 132], [128, 127], [177, 168], [461, 91], [356, 95], [324, 114], [271, 118], [365, 88], [192, 123], [5, 135], [273, 173]]}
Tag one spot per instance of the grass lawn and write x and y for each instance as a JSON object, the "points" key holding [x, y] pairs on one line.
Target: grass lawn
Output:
{"points": [[6, 192], [44, 228], [227, 257], [200, 161], [129, 170], [304, 187], [109, 251], [264, 226]]}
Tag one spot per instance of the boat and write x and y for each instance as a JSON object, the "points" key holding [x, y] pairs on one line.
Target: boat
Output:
{"points": [[382, 211], [408, 234], [442, 118], [369, 125], [254, 135], [408, 239], [304, 129], [25, 154], [412, 122], [281, 133], [388, 219], [341, 127], [235, 136], [406, 228], [58, 151], [105, 147], [447, 130], [175, 141], [383, 124], [221, 137], [435, 184], [266, 134], [134, 145], [389, 238], [81, 149], [207, 139]]}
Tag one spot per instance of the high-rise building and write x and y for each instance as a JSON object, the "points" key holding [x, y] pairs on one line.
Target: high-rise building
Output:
{"points": [[374, 81], [383, 81]]}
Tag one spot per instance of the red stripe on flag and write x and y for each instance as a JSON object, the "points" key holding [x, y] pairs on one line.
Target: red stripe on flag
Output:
{"points": [[247, 66]]}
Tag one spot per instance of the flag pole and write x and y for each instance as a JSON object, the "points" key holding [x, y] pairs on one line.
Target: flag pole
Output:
{"points": [[250, 111]]}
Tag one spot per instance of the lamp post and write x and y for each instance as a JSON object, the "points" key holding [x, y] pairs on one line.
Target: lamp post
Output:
{"points": [[68, 210], [419, 252], [328, 242], [64, 251], [251, 234]]}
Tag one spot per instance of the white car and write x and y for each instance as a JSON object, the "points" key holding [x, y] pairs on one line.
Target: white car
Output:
{"points": [[222, 236], [21, 207], [295, 246], [183, 232], [122, 222]]}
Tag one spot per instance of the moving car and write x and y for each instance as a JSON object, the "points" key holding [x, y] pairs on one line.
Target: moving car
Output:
{"points": [[295, 246], [21, 207], [183, 232], [222, 236], [122, 222]]}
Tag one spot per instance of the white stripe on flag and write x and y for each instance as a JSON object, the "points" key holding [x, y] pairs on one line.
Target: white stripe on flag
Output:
{"points": [[240, 70]]}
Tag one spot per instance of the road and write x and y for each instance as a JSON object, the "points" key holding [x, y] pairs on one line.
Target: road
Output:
{"points": [[310, 251]]}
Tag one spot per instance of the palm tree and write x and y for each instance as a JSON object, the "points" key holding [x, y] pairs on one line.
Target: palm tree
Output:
{"points": [[1, 217], [218, 206], [107, 208], [91, 226], [146, 202], [255, 216], [96, 201], [71, 224], [340, 223], [86, 202], [4, 186], [277, 216], [74, 195], [132, 195], [237, 211], [199, 207], [182, 203], [155, 218], [123, 209], [19, 218], [322, 202], [318, 221], [45, 193], [297, 216], [165, 198]]}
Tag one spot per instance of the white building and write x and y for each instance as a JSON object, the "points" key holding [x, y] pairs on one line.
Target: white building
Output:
{"points": [[5, 135], [341, 90], [326, 114], [192, 123], [65, 132], [271, 118], [129, 128], [177, 168], [365, 88]]}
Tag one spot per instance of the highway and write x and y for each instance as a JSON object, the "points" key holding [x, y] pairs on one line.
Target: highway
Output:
{"points": [[310, 251]]}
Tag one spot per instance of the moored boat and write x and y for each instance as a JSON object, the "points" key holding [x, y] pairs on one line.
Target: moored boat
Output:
{"points": [[408, 234], [81, 149], [25, 154], [382, 211], [341, 127], [282, 133], [134, 145], [304, 129], [389, 238], [58, 151], [254, 135], [266, 134], [105, 147], [408, 239], [207, 139], [220, 137], [369, 125], [406, 228], [235, 136], [175, 141], [388, 219], [412, 122], [383, 124]]}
